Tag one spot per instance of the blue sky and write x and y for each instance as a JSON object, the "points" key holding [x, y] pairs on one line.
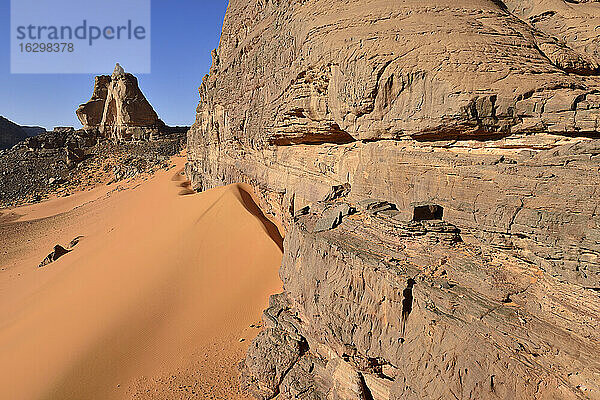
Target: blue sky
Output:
{"points": [[183, 34]]}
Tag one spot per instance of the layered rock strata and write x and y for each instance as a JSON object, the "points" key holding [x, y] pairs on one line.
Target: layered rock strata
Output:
{"points": [[435, 166]]}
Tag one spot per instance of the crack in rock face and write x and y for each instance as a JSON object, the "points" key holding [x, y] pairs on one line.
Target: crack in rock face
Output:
{"points": [[407, 303]]}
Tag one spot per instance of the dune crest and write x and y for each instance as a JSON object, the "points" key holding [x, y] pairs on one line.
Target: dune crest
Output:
{"points": [[155, 301]]}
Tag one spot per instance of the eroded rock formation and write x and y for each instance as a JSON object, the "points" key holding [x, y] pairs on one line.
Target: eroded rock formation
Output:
{"points": [[118, 109], [435, 165]]}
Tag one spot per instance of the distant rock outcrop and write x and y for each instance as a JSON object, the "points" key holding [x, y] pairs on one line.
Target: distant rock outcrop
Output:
{"points": [[11, 133], [65, 160], [466, 137], [118, 109], [122, 137]]}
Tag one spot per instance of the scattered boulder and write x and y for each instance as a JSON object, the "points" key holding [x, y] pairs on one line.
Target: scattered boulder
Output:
{"points": [[302, 211], [75, 241], [375, 206], [338, 192], [58, 252], [34, 168], [74, 156], [64, 129], [11, 133]]}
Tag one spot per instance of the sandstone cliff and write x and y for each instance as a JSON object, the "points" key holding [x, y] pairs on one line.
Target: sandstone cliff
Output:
{"points": [[118, 109], [435, 165]]}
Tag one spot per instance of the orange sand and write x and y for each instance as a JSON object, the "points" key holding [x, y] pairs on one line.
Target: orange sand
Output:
{"points": [[152, 303]]}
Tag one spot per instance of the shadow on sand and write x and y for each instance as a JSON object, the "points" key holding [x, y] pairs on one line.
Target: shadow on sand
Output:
{"points": [[250, 205]]}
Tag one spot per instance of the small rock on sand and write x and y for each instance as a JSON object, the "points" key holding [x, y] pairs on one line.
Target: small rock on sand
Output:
{"points": [[58, 252]]}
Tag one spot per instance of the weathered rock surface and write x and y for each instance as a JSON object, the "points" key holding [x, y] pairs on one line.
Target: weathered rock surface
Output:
{"points": [[277, 362], [464, 137], [574, 23], [118, 109]]}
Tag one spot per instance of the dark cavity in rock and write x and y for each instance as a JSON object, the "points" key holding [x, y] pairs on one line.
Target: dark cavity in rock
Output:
{"points": [[428, 212]]}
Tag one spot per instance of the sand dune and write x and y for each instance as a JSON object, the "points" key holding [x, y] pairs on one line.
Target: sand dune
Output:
{"points": [[153, 301]]}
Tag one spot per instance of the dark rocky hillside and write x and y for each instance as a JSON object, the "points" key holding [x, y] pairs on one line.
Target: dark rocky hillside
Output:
{"points": [[65, 161], [11, 133]]}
